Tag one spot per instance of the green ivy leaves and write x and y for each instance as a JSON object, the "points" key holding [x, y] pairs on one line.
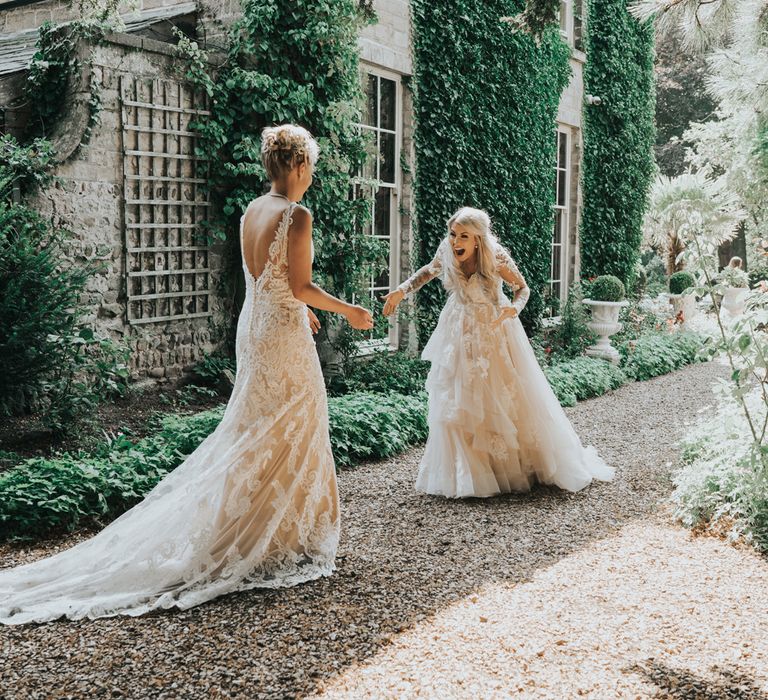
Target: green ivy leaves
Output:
{"points": [[618, 139], [486, 100]]}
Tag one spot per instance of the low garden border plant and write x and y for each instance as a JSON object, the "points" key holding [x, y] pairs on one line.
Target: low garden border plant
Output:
{"points": [[40, 495]]}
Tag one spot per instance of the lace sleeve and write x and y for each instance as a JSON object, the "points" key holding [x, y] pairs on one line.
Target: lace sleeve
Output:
{"points": [[510, 273], [423, 275]]}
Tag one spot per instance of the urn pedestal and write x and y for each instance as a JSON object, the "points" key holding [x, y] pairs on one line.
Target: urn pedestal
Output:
{"points": [[604, 322]]}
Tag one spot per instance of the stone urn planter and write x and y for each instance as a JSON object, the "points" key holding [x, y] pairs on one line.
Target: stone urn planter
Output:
{"points": [[685, 303], [734, 300], [604, 322]]}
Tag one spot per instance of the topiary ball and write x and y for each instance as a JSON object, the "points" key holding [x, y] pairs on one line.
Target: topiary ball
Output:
{"points": [[680, 281], [607, 288]]}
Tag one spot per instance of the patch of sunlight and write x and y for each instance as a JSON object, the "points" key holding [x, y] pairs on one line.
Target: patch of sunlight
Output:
{"points": [[587, 626]]}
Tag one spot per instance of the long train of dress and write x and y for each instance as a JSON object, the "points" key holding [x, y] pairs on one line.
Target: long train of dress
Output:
{"points": [[495, 425], [255, 505]]}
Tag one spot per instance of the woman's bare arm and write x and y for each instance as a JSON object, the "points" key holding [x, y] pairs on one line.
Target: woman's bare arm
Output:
{"points": [[300, 275]]}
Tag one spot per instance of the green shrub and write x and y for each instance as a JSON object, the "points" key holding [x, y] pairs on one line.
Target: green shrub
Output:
{"points": [[655, 354], [70, 491], [51, 360], [720, 483], [582, 378], [656, 275], [680, 281], [372, 426], [607, 288], [381, 373], [571, 335]]}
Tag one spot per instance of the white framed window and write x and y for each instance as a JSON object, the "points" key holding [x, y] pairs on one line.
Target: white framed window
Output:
{"points": [[382, 120], [564, 19], [578, 25], [558, 285]]}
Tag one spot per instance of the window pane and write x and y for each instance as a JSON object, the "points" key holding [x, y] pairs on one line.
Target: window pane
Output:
{"points": [[381, 278], [372, 157], [556, 233], [388, 104], [369, 117], [383, 213], [562, 155], [577, 25], [561, 188], [387, 150], [556, 264]]}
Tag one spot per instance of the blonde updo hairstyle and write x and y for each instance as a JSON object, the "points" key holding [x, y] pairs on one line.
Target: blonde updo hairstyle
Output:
{"points": [[285, 147], [479, 223]]}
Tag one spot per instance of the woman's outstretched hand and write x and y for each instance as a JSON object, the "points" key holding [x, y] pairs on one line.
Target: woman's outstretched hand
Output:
{"points": [[506, 312], [314, 321], [392, 301], [359, 318]]}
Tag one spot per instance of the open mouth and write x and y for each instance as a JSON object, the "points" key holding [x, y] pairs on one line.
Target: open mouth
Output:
{"points": [[458, 251]]}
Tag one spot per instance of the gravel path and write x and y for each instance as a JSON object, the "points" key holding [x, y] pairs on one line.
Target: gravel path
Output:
{"points": [[543, 595]]}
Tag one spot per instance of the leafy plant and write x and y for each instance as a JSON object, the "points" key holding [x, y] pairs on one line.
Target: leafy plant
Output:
{"points": [[73, 490], [511, 140], [582, 378], [680, 282], [571, 336], [654, 354], [686, 205], [383, 372], [720, 485], [52, 360], [373, 426], [607, 288], [733, 277], [618, 139]]}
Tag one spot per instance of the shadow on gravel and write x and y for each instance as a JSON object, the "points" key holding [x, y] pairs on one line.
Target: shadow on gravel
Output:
{"points": [[403, 557], [677, 684]]}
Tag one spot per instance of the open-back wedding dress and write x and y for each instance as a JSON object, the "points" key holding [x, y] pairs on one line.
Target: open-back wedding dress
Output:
{"points": [[254, 506], [495, 425]]}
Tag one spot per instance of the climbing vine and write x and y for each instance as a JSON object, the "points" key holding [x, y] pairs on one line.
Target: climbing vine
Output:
{"points": [[486, 99], [618, 139], [56, 71], [291, 62]]}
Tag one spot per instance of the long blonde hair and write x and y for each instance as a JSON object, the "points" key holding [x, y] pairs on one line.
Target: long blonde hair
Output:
{"points": [[477, 221]]}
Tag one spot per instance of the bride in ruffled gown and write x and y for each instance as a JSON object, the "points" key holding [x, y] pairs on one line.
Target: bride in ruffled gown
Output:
{"points": [[256, 504], [495, 425]]}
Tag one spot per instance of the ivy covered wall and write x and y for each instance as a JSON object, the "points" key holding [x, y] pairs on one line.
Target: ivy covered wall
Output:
{"points": [[292, 62], [619, 136], [486, 99]]}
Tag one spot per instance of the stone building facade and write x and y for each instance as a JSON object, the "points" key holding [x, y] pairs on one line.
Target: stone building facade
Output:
{"points": [[168, 305]]}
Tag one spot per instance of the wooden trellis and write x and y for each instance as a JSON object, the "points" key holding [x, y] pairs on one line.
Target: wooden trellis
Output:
{"points": [[167, 258]]}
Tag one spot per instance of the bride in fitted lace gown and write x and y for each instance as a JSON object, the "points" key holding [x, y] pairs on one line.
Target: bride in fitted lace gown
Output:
{"points": [[256, 504], [494, 423]]}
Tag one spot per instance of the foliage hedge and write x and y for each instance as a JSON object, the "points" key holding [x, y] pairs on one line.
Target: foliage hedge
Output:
{"points": [[69, 491], [618, 139], [485, 104], [582, 378], [655, 354]]}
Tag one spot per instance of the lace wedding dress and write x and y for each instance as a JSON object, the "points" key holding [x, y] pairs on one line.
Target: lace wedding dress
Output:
{"points": [[254, 506], [495, 425]]}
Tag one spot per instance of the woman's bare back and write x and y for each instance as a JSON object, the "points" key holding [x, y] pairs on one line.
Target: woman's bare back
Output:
{"points": [[260, 224]]}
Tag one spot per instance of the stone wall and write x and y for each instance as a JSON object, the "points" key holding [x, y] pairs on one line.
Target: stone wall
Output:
{"points": [[88, 199]]}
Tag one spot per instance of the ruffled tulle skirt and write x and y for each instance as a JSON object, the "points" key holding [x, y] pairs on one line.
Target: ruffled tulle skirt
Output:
{"points": [[495, 426]]}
